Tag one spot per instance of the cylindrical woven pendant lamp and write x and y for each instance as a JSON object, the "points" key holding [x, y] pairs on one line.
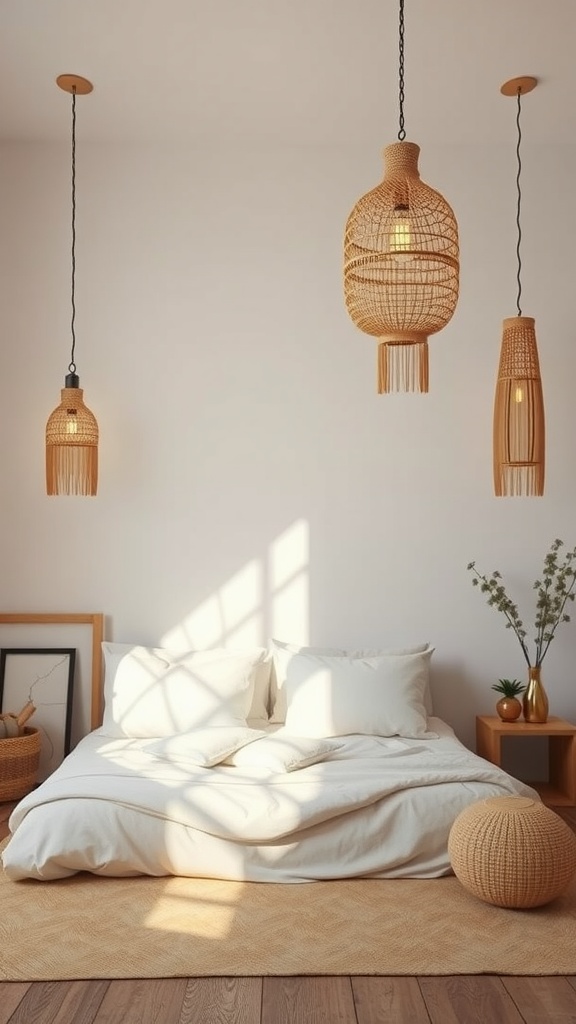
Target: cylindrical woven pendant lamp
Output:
{"points": [[519, 426], [401, 261], [401, 268], [72, 430], [519, 431]]}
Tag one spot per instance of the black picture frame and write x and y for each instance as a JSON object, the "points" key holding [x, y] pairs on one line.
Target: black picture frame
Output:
{"points": [[44, 675]]}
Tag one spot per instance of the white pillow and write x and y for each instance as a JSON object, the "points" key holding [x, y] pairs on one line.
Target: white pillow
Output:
{"points": [[155, 692], [336, 696], [370, 652], [282, 652], [203, 747], [283, 752]]}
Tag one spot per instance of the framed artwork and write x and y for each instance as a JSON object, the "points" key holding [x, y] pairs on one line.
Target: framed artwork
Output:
{"points": [[45, 676], [81, 631]]}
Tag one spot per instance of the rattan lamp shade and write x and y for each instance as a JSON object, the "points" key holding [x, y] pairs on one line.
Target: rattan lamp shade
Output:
{"points": [[512, 852], [401, 268], [72, 445], [519, 432]]}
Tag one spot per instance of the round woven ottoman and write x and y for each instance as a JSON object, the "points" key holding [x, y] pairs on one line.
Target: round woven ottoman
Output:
{"points": [[512, 851]]}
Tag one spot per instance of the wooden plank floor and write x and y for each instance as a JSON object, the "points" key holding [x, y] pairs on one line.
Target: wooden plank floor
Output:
{"points": [[475, 999]]}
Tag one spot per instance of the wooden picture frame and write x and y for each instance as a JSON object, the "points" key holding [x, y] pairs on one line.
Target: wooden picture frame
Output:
{"points": [[83, 631], [44, 676]]}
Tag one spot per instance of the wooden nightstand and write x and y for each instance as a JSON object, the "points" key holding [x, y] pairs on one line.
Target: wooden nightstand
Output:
{"points": [[560, 790]]}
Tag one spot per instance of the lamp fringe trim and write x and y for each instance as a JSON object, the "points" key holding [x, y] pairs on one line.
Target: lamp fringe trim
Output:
{"points": [[72, 469], [402, 367]]}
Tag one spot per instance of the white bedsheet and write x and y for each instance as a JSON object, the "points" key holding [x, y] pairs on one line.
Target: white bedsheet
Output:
{"points": [[378, 807]]}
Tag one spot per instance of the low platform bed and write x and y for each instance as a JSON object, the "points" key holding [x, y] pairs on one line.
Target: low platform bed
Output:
{"points": [[277, 765]]}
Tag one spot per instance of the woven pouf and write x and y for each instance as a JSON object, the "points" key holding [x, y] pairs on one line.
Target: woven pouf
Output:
{"points": [[512, 851]]}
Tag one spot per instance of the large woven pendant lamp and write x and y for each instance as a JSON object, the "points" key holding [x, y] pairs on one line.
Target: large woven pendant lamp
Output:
{"points": [[401, 261], [519, 433], [72, 430]]}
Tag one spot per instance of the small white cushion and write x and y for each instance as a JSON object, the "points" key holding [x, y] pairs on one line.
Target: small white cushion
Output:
{"points": [[155, 692], [282, 652], [283, 752], [203, 747], [337, 696]]}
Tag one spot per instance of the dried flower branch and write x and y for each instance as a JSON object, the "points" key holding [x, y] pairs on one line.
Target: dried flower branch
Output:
{"points": [[554, 590]]}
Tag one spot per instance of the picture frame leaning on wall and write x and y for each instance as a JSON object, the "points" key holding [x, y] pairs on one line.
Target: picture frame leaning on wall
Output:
{"points": [[44, 676], [85, 632]]}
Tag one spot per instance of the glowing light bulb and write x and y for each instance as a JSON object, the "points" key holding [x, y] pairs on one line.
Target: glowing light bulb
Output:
{"points": [[71, 421], [400, 234]]}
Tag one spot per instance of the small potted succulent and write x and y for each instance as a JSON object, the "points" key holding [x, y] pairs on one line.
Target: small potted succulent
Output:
{"points": [[509, 707]]}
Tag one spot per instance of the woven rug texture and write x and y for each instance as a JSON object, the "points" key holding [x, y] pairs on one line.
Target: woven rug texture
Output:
{"points": [[88, 927]]}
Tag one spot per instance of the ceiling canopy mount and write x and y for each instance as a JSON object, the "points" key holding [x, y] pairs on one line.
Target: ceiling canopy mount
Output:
{"points": [[74, 84], [522, 85]]}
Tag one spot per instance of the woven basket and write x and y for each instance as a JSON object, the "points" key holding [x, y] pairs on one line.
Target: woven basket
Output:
{"points": [[512, 852], [19, 760]]}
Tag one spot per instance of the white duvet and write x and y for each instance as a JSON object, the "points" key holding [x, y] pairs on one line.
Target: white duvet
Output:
{"points": [[377, 807]]}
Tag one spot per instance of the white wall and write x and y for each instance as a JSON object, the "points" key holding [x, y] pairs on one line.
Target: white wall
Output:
{"points": [[252, 482]]}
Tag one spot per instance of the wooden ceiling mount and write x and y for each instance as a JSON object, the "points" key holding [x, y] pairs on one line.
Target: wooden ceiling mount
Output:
{"points": [[74, 84], [520, 85]]}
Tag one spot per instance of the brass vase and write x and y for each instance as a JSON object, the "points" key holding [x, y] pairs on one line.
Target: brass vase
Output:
{"points": [[535, 701]]}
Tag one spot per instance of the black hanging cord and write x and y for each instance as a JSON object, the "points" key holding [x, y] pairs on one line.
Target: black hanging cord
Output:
{"points": [[518, 205], [401, 132], [72, 365]]}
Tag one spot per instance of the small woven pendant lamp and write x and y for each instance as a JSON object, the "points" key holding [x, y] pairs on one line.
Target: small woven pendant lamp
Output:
{"points": [[401, 262], [72, 430], [519, 428]]}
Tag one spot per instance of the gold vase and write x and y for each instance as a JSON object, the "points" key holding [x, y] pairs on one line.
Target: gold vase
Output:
{"points": [[535, 701]]}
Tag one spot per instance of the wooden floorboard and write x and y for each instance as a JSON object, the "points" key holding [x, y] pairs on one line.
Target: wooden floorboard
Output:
{"points": [[158, 1001], [302, 1000], [10, 997], [390, 1000], [543, 999], [462, 999], [225, 1000], [473, 999]]}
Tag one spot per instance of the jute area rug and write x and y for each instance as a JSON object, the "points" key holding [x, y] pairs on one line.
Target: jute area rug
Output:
{"points": [[88, 927]]}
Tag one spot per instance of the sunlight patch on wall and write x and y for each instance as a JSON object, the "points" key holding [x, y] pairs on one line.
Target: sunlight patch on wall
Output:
{"points": [[268, 597], [230, 617]]}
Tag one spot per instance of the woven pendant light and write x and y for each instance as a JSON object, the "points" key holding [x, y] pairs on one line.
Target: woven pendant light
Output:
{"points": [[401, 262], [519, 426], [72, 430], [72, 444]]}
